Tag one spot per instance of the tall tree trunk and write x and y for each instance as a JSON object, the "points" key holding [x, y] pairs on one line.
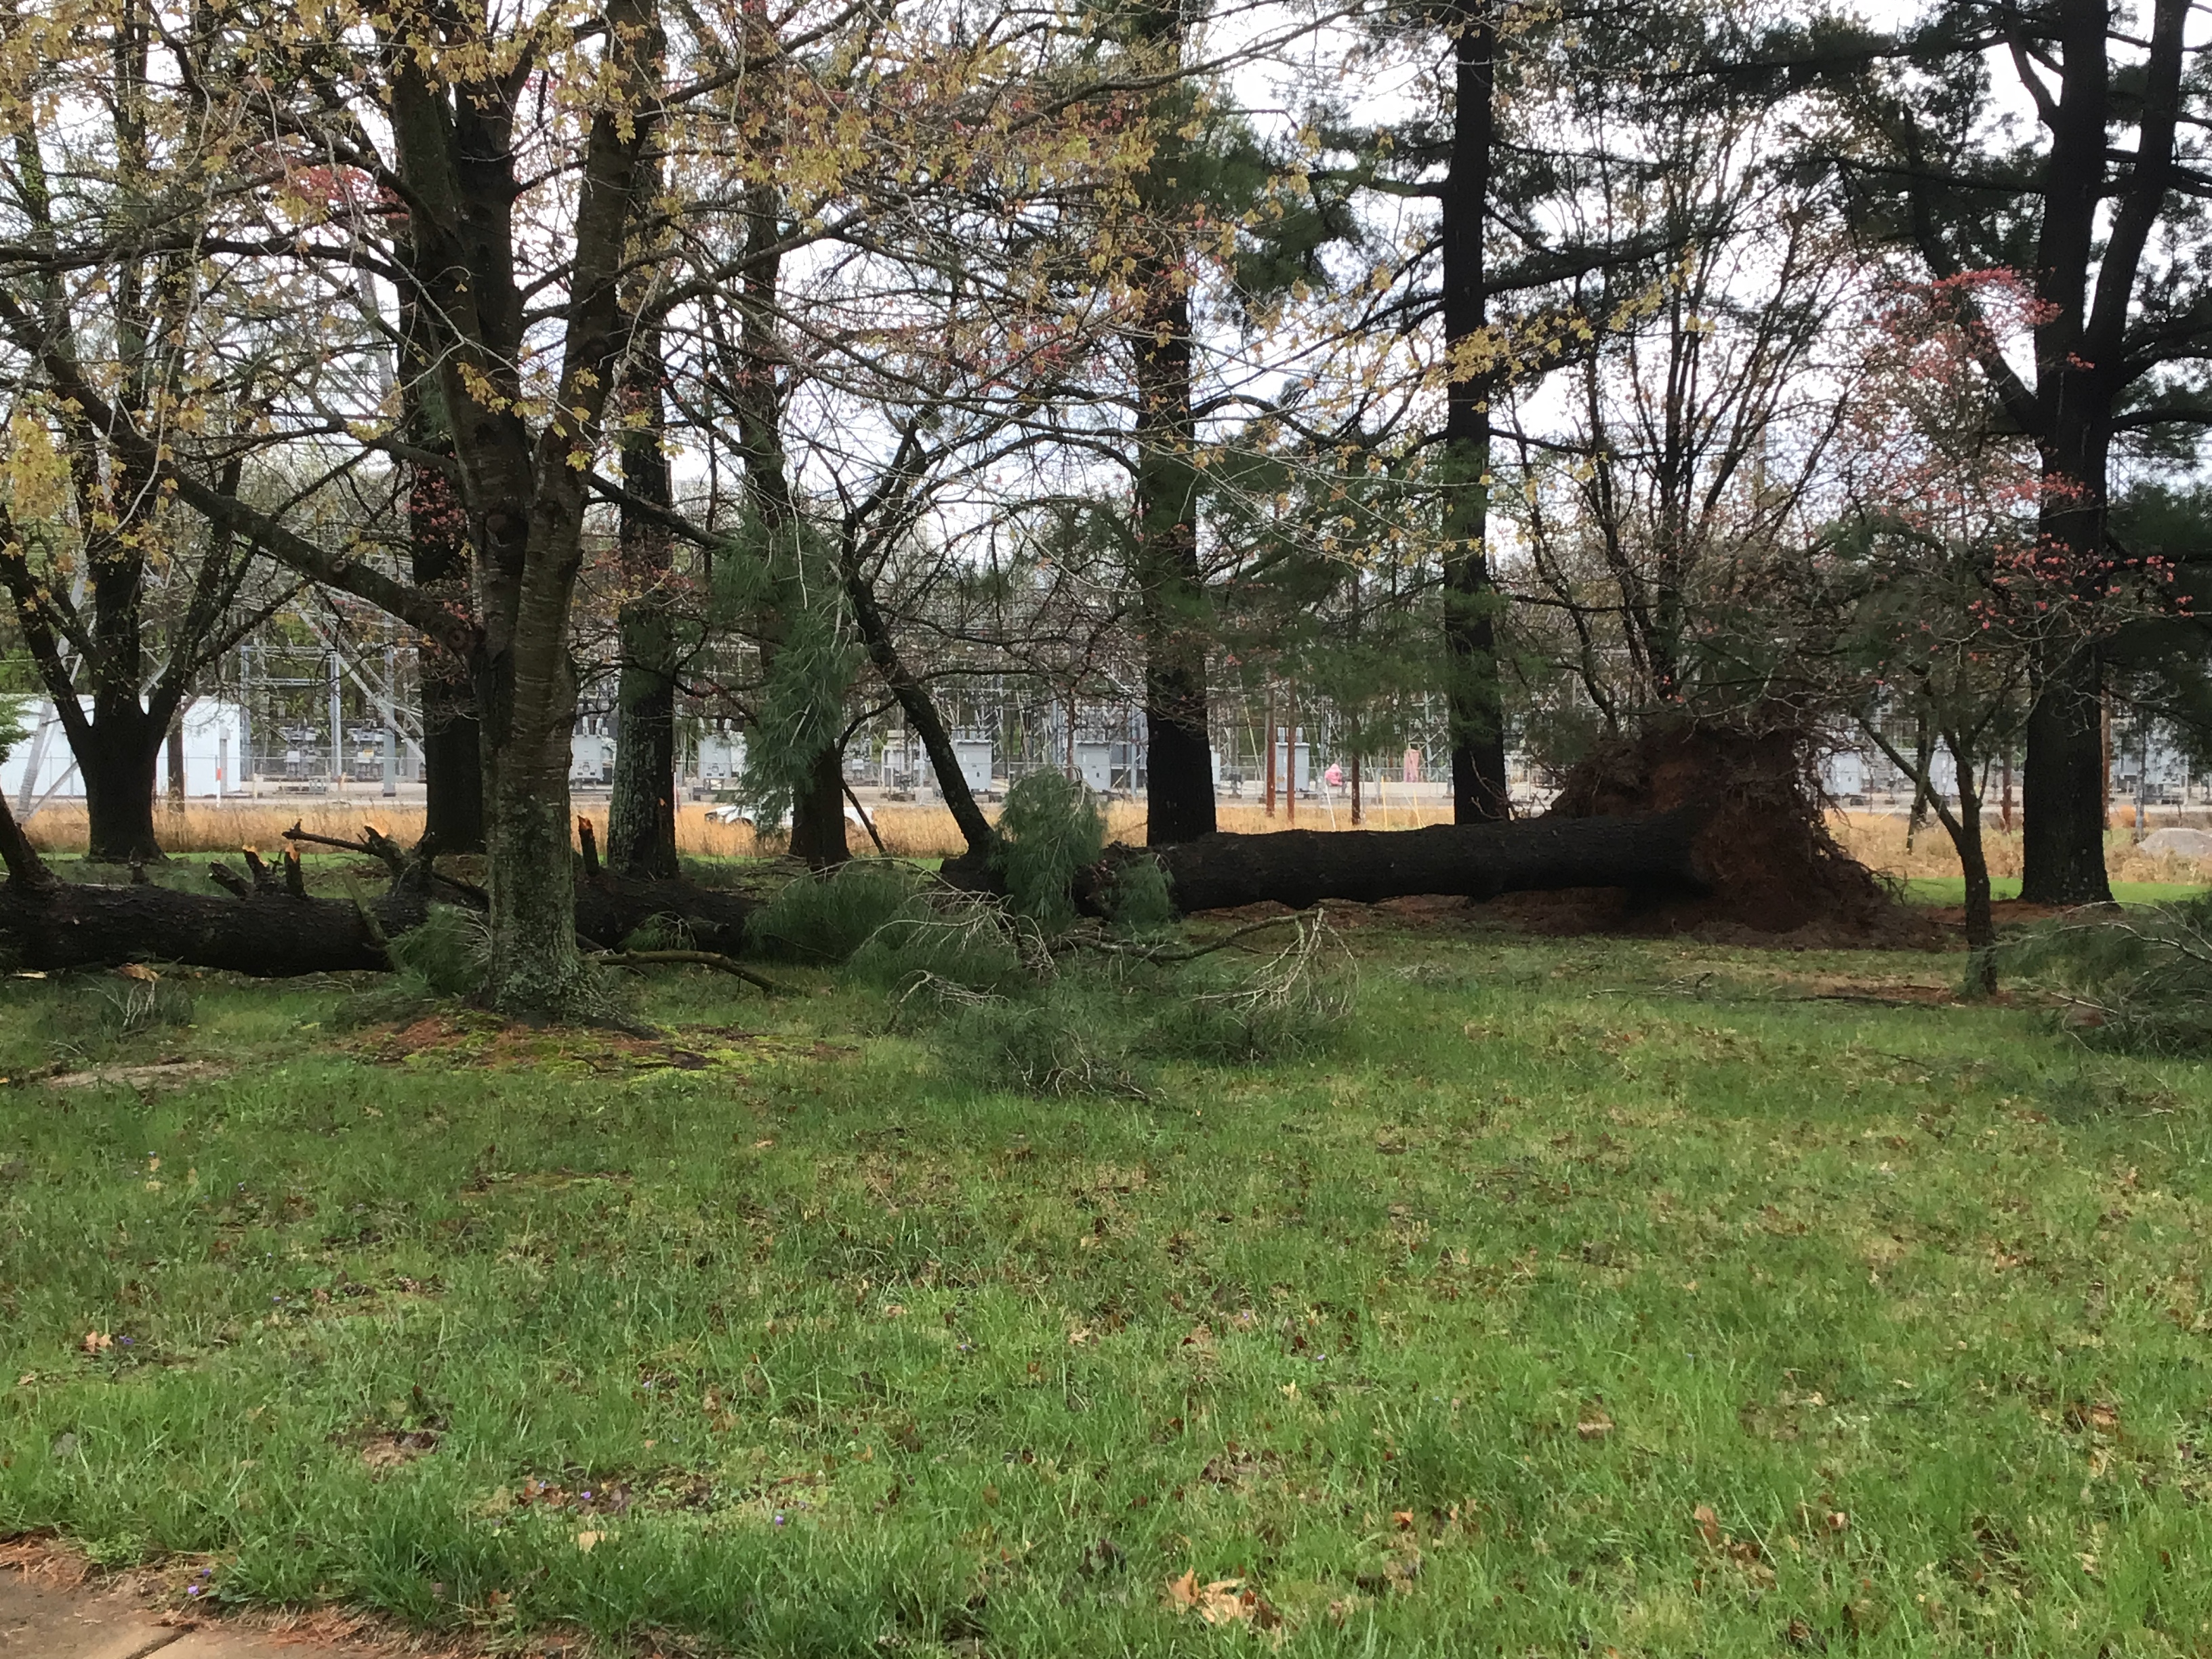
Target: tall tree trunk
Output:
{"points": [[2063, 795], [1471, 600], [818, 813], [641, 811], [1973, 859], [438, 559], [117, 767], [1170, 588], [452, 757], [525, 490], [2078, 375], [641, 815], [2063, 788], [1179, 753], [818, 805], [176, 759]]}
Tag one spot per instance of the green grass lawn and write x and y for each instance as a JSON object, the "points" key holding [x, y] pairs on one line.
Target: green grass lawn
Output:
{"points": [[1952, 890], [1589, 1296]]}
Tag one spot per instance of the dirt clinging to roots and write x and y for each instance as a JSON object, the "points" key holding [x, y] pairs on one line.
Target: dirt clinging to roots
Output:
{"points": [[1773, 868]]}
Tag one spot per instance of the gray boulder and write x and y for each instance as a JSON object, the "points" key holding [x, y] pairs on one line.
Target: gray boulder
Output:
{"points": [[2186, 844]]}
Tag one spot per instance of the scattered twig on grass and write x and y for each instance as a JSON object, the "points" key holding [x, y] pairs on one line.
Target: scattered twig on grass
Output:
{"points": [[713, 959], [949, 993], [1170, 954], [1293, 975]]}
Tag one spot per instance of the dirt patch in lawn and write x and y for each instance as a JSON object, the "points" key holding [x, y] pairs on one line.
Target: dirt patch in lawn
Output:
{"points": [[156, 1074], [487, 1042]]}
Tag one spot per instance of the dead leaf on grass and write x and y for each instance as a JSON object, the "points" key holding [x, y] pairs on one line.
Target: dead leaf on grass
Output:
{"points": [[1709, 1524], [389, 1451], [1223, 1602], [1593, 1425]]}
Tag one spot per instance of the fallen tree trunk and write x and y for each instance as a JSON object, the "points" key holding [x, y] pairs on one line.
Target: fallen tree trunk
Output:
{"points": [[611, 908], [272, 935], [1298, 867], [274, 929]]}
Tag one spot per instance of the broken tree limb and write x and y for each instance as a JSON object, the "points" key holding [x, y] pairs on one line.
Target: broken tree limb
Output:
{"points": [[1301, 868], [417, 869], [1176, 953], [713, 959]]}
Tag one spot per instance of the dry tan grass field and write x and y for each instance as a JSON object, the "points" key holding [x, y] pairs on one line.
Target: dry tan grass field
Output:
{"points": [[913, 831]]}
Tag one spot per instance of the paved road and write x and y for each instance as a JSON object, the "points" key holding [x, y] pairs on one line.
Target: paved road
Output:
{"points": [[40, 1619]]}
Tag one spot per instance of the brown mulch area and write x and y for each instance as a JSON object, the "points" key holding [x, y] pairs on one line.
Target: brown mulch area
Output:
{"points": [[488, 1043]]}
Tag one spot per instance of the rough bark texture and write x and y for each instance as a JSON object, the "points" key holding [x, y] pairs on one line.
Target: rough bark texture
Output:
{"points": [[641, 815], [2062, 794], [116, 763], [1170, 588], [452, 759], [275, 936], [641, 810], [438, 552], [2063, 846], [525, 493], [1298, 867], [818, 813], [270, 935], [610, 908], [1471, 600]]}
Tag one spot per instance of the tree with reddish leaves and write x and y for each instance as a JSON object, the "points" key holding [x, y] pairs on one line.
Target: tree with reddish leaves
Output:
{"points": [[1942, 590], [2099, 210]]}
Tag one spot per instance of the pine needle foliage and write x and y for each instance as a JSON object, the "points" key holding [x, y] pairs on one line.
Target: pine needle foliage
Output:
{"points": [[2138, 981], [1050, 829], [827, 918], [786, 571]]}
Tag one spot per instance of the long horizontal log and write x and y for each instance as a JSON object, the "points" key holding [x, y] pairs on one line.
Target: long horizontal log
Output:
{"points": [[273, 935], [1299, 867], [611, 908]]}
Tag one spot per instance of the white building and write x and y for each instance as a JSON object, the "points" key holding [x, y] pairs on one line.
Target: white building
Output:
{"points": [[40, 768]]}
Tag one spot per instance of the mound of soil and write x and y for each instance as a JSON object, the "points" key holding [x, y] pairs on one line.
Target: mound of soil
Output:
{"points": [[1775, 874]]}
